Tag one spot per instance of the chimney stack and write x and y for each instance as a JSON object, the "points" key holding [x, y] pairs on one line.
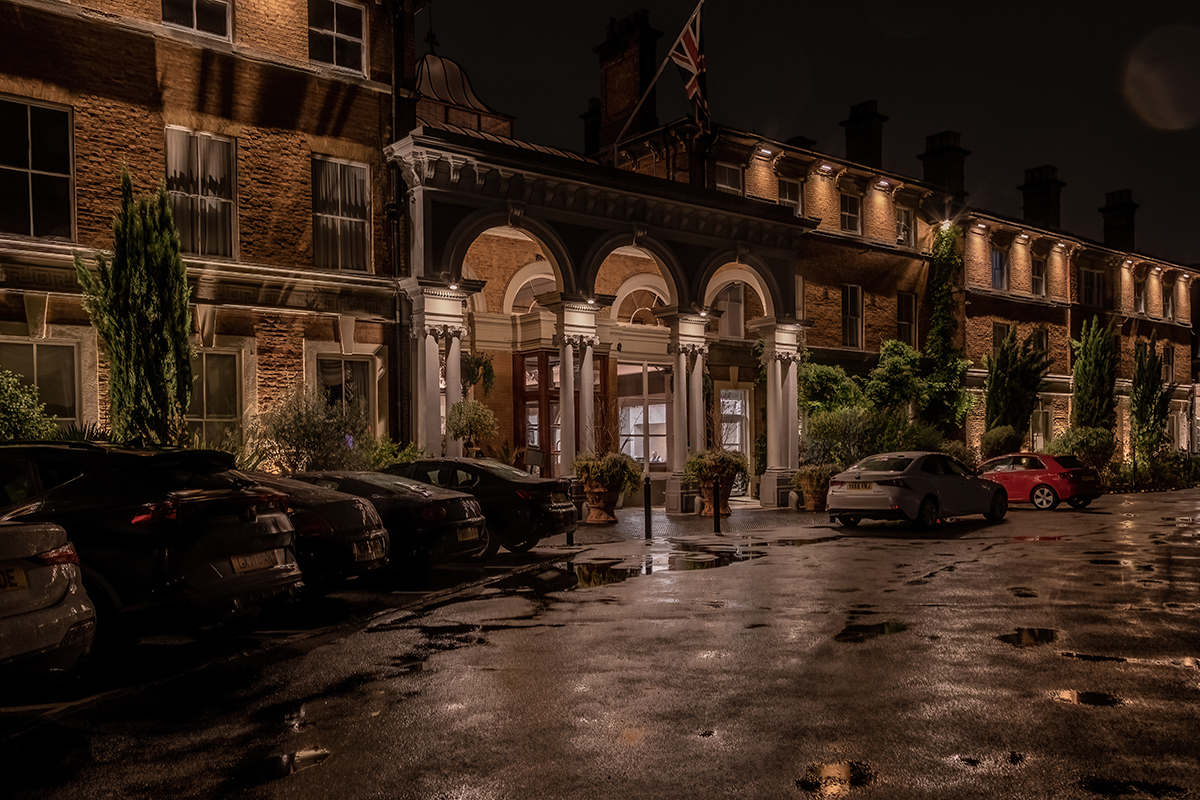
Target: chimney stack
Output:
{"points": [[864, 134], [627, 66], [1041, 192], [1118, 214], [944, 159]]}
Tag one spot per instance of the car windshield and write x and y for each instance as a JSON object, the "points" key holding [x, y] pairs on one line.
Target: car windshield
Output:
{"points": [[1070, 462], [502, 470], [884, 464]]}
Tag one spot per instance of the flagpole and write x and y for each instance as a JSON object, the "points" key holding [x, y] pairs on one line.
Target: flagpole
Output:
{"points": [[657, 75]]}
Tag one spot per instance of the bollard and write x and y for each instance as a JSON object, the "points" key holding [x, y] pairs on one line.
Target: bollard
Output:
{"points": [[646, 497], [717, 507]]}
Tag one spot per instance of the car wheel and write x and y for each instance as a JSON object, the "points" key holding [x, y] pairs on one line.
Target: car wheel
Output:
{"points": [[848, 522], [521, 547], [999, 507], [1079, 502], [927, 515], [1043, 497], [493, 545]]}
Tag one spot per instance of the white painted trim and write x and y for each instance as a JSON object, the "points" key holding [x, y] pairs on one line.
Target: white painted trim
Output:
{"points": [[535, 269], [640, 281]]}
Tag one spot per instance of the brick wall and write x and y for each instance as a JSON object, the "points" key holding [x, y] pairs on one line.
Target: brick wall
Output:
{"points": [[496, 259]]}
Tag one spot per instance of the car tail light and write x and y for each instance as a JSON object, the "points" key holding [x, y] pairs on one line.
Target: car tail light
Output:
{"points": [[433, 513], [524, 495], [59, 555], [836, 484], [892, 482], [307, 523], [155, 512]]}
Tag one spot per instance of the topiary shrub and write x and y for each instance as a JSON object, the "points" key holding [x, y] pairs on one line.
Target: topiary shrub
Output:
{"points": [[304, 431], [614, 471], [999, 441], [1093, 446], [22, 413], [471, 422]]}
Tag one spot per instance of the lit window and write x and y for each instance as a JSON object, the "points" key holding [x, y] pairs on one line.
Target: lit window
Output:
{"points": [[851, 214], [1168, 301], [1039, 425], [49, 367], [1092, 290], [789, 195], [642, 418], [336, 33], [1000, 332], [35, 170], [906, 318], [206, 16], [213, 414], [732, 303], [852, 316], [906, 227], [1040, 339], [200, 182], [341, 209], [1139, 295], [1168, 362], [729, 178], [999, 269], [1039, 277]]}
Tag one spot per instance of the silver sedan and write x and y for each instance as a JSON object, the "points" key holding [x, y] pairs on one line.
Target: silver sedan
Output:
{"points": [[920, 487]]}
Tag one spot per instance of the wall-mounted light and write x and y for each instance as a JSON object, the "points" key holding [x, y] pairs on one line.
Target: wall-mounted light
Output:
{"points": [[591, 301], [1024, 236], [764, 151], [882, 185], [703, 313], [946, 224], [826, 168], [454, 285], [980, 225]]}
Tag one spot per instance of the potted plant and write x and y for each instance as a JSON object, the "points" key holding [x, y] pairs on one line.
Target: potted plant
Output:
{"points": [[716, 469], [812, 481], [471, 421], [605, 478]]}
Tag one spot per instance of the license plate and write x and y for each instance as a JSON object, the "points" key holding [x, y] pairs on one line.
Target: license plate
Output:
{"points": [[368, 550], [12, 579], [559, 497], [859, 486], [468, 534], [252, 562]]}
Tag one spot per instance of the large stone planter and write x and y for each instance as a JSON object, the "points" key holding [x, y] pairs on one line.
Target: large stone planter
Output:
{"points": [[602, 505], [706, 493], [814, 490]]}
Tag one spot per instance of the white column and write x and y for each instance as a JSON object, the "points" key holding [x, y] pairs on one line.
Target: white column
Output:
{"points": [[566, 369], [774, 396], [587, 398], [679, 409], [454, 447], [432, 392], [696, 396], [789, 412]]}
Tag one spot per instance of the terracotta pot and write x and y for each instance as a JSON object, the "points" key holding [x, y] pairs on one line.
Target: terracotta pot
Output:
{"points": [[706, 493], [814, 493], [602, 504]]}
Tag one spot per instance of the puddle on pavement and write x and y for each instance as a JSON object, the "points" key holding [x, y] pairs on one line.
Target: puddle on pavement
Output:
{"points": [[1111, 787], [1029, 637], [861, 633], [1087, 698], [602, 573], [277, 767], [835, 780]]}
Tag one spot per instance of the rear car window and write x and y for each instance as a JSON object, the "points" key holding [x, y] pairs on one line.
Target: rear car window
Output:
{"points": [[885, 463], [1070, 462], [173, 474], [500, 469]]}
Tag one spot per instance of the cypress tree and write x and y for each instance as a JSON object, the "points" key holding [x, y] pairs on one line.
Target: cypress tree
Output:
{"points": [[1149, 405], [138, 303], [947, 403], [1094, 377], [1015, 376]]}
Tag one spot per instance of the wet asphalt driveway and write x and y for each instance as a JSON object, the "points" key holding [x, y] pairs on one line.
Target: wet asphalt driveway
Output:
{"points": [[1054, 655]]}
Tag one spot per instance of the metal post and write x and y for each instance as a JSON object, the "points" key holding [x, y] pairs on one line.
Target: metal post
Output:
{"points": [[646, 498], [716, 494]]}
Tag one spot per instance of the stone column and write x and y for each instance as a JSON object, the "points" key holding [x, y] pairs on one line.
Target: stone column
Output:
{"points": [[566, 371], [454, 393], [774, 400], [696, 398], [789, 412], [431, 392], [782, 339], [587, 398], [679, 430]]}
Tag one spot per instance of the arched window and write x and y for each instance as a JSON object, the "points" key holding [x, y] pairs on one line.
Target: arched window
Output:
{"points": [[526, 299]]}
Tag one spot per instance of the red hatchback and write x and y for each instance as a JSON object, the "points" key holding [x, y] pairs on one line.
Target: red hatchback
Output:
{"points": [[1044, 480]]}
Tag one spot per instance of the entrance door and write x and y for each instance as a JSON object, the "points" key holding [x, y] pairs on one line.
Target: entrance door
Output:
{"points": [[735, 428]]}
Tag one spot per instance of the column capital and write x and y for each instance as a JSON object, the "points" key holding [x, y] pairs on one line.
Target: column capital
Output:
{"points": [[439, 332], [577, 340], [785, 356], [687, 349]]}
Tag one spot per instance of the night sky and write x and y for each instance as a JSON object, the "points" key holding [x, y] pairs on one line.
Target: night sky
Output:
{"points": [[1107, 92]]}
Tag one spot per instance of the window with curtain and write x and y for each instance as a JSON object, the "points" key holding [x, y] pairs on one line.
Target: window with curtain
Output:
{"points": [[999, 334], [337, 33], [643, 414], [206, 16], [215, 408], [852, 316], [851, 213], [1092, 288], [906, 318], [790, 196], [341, 213], [1039, 277], [906, 226], [347, 382], [49, 367], [1168, 300], [35, 170], [999, 269], [729, 178], [200, 179]]}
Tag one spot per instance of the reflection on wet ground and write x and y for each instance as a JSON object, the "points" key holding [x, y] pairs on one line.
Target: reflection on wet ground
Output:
{"points": [[860, 633], [277, 767], [1110, 787], [1029, 637], [835, 780], [1087, 698]]}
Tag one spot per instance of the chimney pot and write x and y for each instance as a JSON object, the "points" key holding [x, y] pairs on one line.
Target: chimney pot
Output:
{"points": [[1118, 211], [1042, 191], [627, 66], [864, 134], [944, 161]]}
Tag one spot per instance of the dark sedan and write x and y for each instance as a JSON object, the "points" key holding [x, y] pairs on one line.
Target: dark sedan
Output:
{"points": [[338, 535], [521, 509], [164, 536], [425, 524]]}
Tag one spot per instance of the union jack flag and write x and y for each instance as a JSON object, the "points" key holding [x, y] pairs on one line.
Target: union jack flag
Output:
{"points": [[688, 55]]}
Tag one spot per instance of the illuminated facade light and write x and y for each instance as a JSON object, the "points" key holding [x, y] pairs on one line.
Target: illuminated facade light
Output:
{"points": [[826, 168], [591, 301]]}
